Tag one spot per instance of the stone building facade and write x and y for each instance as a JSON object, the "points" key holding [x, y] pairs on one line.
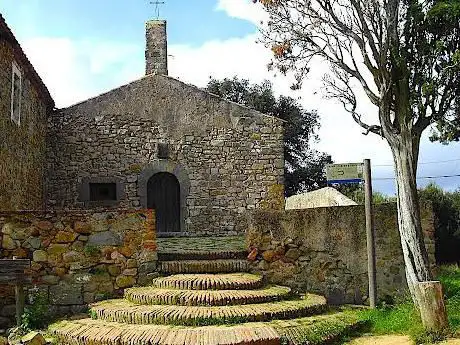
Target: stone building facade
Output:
{"points": [[200, 161], [156, 143], [24, 105]]}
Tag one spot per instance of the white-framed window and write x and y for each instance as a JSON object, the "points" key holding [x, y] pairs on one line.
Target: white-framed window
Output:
{"points": [[16, 94]]}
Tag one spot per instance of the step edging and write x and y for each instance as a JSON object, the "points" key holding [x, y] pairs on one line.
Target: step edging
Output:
{"points": [[127, 312], [295, 331], [157, 296], [202, 281]]}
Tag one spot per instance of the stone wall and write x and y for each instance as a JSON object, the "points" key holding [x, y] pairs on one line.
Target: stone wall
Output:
{"points": [[226, 157], [79, 257], [22, 148], [323, 250]]}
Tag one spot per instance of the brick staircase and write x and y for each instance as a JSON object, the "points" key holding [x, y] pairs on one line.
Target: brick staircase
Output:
{"points": [[206, 298]]}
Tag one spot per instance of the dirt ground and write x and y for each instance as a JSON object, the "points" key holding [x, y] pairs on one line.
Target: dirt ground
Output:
{"points": [[393, 340]]}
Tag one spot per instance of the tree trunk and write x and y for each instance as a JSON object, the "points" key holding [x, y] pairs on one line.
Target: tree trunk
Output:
{"points": [[405, 154], [432, 308]]}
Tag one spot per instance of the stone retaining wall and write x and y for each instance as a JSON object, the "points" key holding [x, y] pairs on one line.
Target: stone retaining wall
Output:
{"points": [[79, 257], [323, 250]]}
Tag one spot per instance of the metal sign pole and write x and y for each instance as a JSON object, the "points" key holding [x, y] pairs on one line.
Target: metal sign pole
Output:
{"points": [[370, 234]]}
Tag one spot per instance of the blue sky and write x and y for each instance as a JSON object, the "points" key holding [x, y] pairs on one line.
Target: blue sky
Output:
{"points": [[86, 47], [190, 22]]}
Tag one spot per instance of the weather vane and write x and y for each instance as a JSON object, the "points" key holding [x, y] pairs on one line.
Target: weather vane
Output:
{"points": [[157, 7]]}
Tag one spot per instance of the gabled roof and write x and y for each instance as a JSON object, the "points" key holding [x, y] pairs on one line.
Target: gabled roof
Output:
{"points": [[188, 85], [7, 35], [119, 97]]}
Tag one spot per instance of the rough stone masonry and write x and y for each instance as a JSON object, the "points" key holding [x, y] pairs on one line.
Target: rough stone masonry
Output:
{"points": [[226, 158], [22, 144], [78, 257]]}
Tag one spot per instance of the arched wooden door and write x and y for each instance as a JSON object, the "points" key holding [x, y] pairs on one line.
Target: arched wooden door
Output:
{"points": [[163, 195]]}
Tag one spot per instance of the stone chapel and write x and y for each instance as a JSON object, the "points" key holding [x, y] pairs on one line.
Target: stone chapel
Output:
{"points": [[158, 143]]}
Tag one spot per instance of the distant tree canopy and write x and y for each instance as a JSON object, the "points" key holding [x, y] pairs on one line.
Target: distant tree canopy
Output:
{"points": [[445, 15], [356, 193], [304, 167], [446, 209]]}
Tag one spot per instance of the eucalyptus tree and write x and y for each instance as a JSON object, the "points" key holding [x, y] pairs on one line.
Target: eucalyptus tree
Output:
{"points": [[405, 56]]}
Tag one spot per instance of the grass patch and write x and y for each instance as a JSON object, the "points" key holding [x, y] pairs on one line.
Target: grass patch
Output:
{"points": [[450, 279], [398, 319], [403, 318]]}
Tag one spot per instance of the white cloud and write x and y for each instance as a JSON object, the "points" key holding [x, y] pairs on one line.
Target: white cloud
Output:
{"points": [[242, 9], [76, 70], [339, 135], [219, 59]]}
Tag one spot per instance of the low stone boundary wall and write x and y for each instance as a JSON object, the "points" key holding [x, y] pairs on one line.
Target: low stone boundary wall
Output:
{"points": [[323, 250], [78, 257]]}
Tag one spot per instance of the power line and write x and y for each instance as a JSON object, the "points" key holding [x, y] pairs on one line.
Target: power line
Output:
{"points": [[421, 163], [418, 178]]}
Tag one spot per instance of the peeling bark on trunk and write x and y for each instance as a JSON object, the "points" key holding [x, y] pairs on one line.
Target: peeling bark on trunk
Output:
{"points": [[405, 149], [410, 227]]}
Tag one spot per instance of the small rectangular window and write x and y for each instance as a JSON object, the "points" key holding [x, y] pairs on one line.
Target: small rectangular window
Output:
{"points": [[16, 92], [103, 191], [163, 151]]}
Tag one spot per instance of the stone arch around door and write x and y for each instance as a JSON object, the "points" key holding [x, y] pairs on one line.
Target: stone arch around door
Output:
{"points": [[179, 173]]}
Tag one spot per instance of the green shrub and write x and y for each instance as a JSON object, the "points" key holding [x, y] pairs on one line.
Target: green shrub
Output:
{"points": [[37, 314], [450, 279], [92, 314], [446, 209]]}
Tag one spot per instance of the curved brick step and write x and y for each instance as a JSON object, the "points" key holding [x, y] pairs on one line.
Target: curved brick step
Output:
{"points": [[232, 281], [322, 329], [94, 332], [128, 312], [203, 266], [201, 255], [152, 296]]}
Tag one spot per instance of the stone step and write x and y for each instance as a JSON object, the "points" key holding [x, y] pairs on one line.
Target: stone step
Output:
{"points": [[323, 329], [207, 243], [232, 281], [153, 296], [94, 332], [127, 312], [200, 255], [320, 329], [203, 266]]}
